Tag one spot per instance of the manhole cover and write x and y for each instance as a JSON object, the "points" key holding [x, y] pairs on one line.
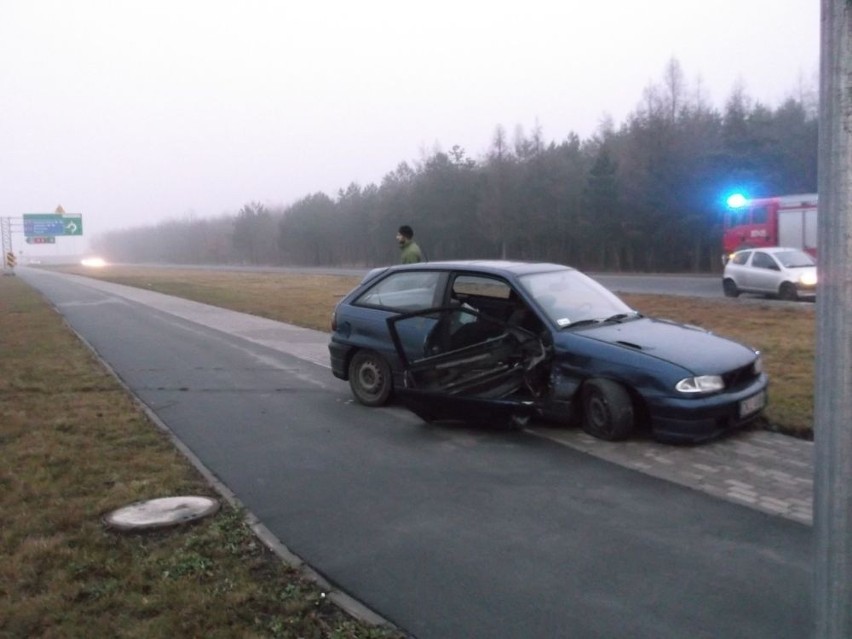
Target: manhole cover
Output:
{"points": [[161, 513]]}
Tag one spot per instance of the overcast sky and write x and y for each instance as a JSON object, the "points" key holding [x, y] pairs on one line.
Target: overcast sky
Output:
{"points": [[133, 112]]}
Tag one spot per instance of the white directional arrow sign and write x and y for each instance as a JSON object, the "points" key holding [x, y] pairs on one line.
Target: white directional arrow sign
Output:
{"points": [[72, 224]]}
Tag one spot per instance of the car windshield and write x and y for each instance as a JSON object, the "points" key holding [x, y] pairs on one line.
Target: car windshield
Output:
{"points": [[794, 259], [570, 298]]}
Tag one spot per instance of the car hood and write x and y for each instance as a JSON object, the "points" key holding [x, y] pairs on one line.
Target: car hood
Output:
{"points": [[798, 272], [693, 348]]}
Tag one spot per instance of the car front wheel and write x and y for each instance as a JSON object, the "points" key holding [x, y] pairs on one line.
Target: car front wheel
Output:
{"points": [[788, 292], [607, 410], [730, 288], [370, 378]]}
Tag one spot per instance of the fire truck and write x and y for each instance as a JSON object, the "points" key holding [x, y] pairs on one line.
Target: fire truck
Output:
{"points": [[785, 220]]}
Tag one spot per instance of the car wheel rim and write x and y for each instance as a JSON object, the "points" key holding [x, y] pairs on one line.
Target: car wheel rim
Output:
{"points": [[598, 414], [370, 378]]}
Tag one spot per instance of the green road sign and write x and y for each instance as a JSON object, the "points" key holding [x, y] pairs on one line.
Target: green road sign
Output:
{"points": [[52, 224], [73, 223]]}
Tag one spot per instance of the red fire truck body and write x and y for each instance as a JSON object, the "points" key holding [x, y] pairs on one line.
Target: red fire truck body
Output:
{"points": [[787, 220]]}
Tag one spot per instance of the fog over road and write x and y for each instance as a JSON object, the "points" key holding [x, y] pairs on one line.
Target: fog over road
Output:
{"points": [[447, 532]]}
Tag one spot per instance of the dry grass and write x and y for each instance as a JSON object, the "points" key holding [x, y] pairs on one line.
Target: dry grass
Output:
{"points": [[303, 300], [784, 334], [75, 446]]}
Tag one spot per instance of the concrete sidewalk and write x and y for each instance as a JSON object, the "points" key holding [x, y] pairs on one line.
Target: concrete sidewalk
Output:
{"points": [[762, 470]]}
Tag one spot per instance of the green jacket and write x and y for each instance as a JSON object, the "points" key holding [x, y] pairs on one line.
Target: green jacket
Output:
{"points": [[410, 253]]}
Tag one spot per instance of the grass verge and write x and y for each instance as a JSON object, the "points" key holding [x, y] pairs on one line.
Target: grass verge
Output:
{"points": [[784, 333], [74, 446]]}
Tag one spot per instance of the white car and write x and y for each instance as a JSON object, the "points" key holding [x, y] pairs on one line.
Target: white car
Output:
{"points": [[787, 273]]}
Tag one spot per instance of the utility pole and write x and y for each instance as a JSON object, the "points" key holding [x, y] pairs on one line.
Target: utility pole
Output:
{"points": [[833, 379]]}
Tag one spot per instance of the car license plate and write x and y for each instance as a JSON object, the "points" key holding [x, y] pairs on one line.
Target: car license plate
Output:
{"points": [[752, 404]]}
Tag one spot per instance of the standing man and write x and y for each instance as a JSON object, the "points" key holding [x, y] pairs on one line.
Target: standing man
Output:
{"points": [[409, 251]]}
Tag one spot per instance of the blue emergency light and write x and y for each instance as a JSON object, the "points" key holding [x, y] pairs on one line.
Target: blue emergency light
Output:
{"points": [[736, 201]]}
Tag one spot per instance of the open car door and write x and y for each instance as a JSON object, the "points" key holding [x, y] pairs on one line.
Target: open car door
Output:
{"points": [[473, 368]]}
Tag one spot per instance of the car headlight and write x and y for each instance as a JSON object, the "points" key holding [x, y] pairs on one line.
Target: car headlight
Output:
{"points": [[700, 384], [758, 365], [808, 279]]}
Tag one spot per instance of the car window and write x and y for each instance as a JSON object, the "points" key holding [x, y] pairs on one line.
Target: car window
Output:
{"points": [[741, 257], [759, 215], [404, 291], [487, 295], [762, 260], [795, 259], [478, 286], [569, 297]]}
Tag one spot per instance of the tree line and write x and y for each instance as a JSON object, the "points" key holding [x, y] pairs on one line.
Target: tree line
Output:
{"points": [[644, 196]]}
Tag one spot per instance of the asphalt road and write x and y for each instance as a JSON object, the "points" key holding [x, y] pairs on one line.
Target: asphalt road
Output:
{"points": [[689, 285], [446, 532]]}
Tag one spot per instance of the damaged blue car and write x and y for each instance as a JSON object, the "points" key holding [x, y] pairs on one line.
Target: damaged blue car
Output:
{"points": [[500, 343]]}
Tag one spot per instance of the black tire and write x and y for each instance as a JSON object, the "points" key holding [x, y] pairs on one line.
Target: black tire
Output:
{"points": [[788, 292], [518, 422], [607, 410], [370, 378], [730, 288]]}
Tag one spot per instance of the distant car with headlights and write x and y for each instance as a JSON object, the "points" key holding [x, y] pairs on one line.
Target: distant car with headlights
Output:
{"points": [[786, 273], [500, 342]]}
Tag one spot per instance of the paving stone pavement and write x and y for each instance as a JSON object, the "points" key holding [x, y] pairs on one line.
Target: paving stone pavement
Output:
{"points": [[759, 469]]}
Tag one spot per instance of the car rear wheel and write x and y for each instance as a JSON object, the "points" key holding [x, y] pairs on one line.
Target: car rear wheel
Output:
{"points": [[730, 288], [370, 378], [607, 410], [788, 292]]}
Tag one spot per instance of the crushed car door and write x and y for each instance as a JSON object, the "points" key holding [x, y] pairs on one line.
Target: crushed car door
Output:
{"points": [[473, 368]]}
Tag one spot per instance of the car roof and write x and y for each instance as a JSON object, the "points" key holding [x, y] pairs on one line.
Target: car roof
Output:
{"points": [[494, 267], [772, 249]]}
